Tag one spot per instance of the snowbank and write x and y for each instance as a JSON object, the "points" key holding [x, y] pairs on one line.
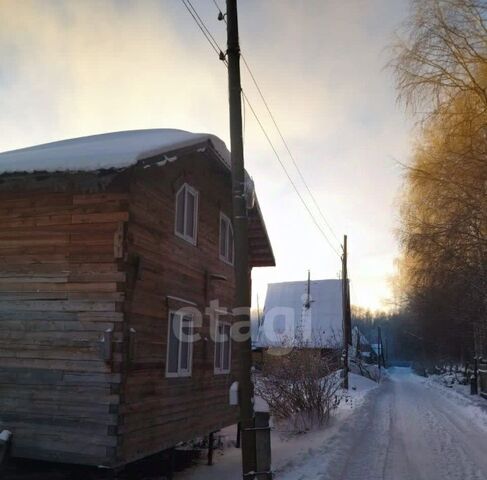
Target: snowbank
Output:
{"points": [[473, 406]]}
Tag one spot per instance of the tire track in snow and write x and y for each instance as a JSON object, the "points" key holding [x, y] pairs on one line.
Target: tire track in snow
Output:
{"points": [[403, 431]]}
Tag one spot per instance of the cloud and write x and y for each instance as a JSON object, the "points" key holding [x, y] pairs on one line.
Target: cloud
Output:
{"points": [[73, 68]]}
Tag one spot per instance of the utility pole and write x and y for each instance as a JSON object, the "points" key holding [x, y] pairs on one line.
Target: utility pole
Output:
{"points": [[240, 226], [346, 313], [258, 313], [307, 304], [380, 351]]}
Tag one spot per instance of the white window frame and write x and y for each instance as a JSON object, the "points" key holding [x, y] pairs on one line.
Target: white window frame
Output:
{"points": [[180, 371], [187, 188], [220, 370], [226, 258]]}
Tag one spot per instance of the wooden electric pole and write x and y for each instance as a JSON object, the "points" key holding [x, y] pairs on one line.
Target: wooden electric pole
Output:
{"points": [[240, 226], [346, 313], [380, 348]]}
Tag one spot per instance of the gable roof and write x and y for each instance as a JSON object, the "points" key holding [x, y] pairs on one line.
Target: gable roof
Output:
{"points": [[107, 150], [121, 150], [318, 326]]}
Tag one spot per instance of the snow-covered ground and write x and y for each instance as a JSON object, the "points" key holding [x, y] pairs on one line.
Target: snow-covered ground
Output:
{"points": [[408, 428], [288, 451], [474, 406]]}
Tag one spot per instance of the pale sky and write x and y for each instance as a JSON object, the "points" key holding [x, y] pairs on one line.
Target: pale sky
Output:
{"points": [[72, 68]]}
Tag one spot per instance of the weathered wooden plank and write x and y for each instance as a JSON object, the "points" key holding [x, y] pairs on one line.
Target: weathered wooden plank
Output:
{"points": [[58, 306], [67, 365], [97, 198], [50, 376], [78, 457], [65, 287], [31, 259], [54, 352], [63, 422], [54, 326], [100, 217]]}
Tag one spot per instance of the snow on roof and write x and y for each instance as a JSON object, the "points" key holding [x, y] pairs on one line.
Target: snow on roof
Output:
{"points": [[287, 320], [107, 150], [357, 334], [375, 347]]}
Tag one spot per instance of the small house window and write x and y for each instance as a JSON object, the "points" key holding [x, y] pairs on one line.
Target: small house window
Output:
{"points": [[187, 213], [226, 239], [179, 345], [222, 347]]}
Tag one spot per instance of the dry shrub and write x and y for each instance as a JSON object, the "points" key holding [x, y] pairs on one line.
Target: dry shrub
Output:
{"points": [[302, 386]]}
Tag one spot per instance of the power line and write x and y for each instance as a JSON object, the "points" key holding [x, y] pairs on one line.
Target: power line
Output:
{"points": [[287, 173], [288, 149], [201, 25], [214, 44], [271, 115]]}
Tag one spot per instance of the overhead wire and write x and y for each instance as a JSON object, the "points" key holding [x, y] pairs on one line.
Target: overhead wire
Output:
{"points": [[201, 25], [215, 46], [254, 113], [285, 143], [289, 150]]}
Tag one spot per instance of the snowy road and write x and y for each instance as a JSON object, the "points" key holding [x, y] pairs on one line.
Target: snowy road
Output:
{"points": [[406, 430]]}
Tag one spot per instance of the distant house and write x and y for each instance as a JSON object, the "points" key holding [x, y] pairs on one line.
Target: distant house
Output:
{"points": [[110, 245], [302, 314], [361, 348]]}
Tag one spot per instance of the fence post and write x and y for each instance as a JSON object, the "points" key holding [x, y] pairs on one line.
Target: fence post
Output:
{"points": [[5, 439], [263, 444]]}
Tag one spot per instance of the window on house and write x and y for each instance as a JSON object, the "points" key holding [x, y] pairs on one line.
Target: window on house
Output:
{"points": [[222, 347], [179, 346], [226, 239], [187, 213]]}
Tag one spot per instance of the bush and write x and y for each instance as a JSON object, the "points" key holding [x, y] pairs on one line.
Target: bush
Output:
{"points": [[302, 386]]}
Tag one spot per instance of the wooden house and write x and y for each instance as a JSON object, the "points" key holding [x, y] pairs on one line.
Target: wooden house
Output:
{"points": [[108, 245], [302, 314], [361, 348]]}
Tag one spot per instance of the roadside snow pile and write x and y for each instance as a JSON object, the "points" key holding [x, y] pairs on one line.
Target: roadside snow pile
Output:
{"points": [[453, 379], [474, 406]]}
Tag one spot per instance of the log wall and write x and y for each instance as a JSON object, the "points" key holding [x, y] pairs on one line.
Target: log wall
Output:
{"points": [[157, 412], [61, 287], [74, 265]]}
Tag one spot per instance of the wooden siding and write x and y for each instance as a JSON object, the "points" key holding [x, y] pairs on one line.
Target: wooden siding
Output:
{"points": [[84, 253], [157, 412], [61, 287]]}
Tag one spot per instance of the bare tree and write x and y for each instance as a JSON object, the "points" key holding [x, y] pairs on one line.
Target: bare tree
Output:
{"points": [[441, 52]]}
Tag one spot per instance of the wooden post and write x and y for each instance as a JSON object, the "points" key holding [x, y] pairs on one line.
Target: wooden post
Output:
{"points": [[474, 382], [237, 442], [380, 354], [240, 227], [5, 439], [172, 463], [347, 326], [210, 448], [263, 440]]}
